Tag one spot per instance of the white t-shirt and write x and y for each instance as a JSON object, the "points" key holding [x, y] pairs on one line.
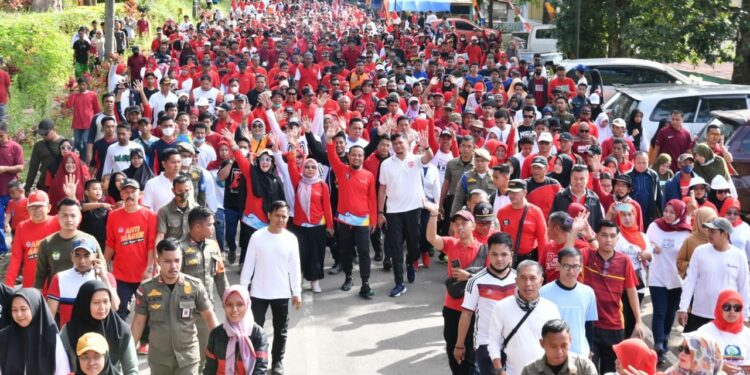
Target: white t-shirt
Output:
{"points": [[118, 157], [632, 251], [206, 154], [663, 271], [157, 101], [709, 273], [440, 160], [740, 238], [431, 182], [523, 348], [272, 265], [157, 193], [483, 291], [211, 95], [400, 177], [735, 347], [577, 306]]}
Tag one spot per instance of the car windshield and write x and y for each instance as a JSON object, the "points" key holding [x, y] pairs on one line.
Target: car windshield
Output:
{"points": [[621, 105], [727, 128]]}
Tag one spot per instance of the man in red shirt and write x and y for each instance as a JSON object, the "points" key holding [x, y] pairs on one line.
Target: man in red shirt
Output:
{"points": [[11, 165], [307, 74], [131, 232], [673, 140], [85, 105], [561, 234], [521, 218], [566, 84], [610, 274], [28, 235], [4, 92]]}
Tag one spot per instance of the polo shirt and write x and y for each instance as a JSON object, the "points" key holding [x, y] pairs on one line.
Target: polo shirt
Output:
{"points": [[673, 143], [609, 279], [483, 291], [401, 178], [11, 154], [157, 193]]}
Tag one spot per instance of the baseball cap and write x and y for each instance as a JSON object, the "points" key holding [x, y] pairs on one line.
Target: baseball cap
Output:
{"points": [[129, 182], [165, 81], [539, 161], [44, 127], [720, 183], [83, 244], [185, 147], [594, 150], [483, 212], [566, 137], [685, 156], [38, 198], [721, 224], [482, 153], [133, 108], [446, 132], [92, 341], [516, 185], [545, 137], [466, 215], [623, 178], [242, 97], [619, 122], [224, 107]]}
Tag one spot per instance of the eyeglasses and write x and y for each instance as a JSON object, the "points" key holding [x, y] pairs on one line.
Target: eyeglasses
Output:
{"points": [[66, 148], [727, 307], [265, 159], [570, 267], [258, 125], [684, 349]]}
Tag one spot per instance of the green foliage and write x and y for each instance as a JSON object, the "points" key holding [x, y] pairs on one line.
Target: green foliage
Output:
{"points": [[667, 31]]}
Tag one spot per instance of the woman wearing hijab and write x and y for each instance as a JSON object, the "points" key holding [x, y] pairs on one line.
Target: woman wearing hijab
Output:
{"points": [[729, 331], [698, 237], [313, 217], [113, 189], [30, 344], [633, 243], [602, 125], [92, 356], [740, 236], [666, 235], [561, 170], [92, 312], [239, 345], [634, 127], [708, 165], [71, 169], [139, 169], [699, 354], [65, 146]]}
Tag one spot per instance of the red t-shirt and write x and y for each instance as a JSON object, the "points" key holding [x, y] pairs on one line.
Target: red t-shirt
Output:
{"points": [[453, 249], [24, 251], [674, 143], [4, 86], [85, 106], [17, 211], [609, 279], [131, 236], [534, 232]]}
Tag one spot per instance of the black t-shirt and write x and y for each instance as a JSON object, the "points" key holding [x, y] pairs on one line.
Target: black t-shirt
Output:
{"points": [[235, 189], [525, 131], [6, 294], [81, 51], [94, 222]]}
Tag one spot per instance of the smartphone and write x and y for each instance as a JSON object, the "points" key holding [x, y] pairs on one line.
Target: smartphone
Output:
{"points": [[455, 263]]}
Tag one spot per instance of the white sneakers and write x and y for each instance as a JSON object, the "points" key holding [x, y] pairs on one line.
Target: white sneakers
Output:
{"points": [[315, 286]]}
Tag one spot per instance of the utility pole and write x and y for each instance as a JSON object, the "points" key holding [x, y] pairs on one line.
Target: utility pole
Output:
{"points": [[578, 28], [109, 27], [196, 9]]}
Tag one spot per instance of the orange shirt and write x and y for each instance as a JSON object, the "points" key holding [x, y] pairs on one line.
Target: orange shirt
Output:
{"points": [[533, 232], [131, 236]]}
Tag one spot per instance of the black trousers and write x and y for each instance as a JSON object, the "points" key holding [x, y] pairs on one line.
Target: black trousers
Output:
{"points": [[533, 255], [355, 237], [243, 249], [694, 322], [424, 245], [376, 239], [402, 226], [312, 250], [231, 219], [627, 313], [444, 225], [604, 356], [280, 318], [450, 334]]}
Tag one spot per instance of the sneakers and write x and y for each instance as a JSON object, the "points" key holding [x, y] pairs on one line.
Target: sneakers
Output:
{"points": [[232, 257], [347, 286], [277, 369], [387, 264], [426, 260], [378, 256], [398, 290], [335, 269], [366, 292], [415, 264], [411, 273], [142, 349], [315, 286]]}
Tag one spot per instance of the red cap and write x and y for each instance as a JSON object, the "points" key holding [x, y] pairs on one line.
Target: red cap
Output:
{"points": [[479, 86], [38, 197]]}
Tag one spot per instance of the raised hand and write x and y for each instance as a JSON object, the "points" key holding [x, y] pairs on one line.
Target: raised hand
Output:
{"points": [[322, 99], [70, 186], [274, 140]]}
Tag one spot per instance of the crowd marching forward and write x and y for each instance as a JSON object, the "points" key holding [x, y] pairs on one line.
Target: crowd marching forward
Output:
{"points": [[302, 126]]}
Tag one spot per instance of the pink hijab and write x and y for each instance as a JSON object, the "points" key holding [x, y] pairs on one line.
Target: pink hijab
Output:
{"points": [[304, 190], [239, 333]]}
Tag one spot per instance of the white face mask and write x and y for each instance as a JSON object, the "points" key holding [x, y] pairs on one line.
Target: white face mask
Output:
{"points": [[235, 89], [186, 162], [168, 131], [199, 141], [244, 152]]}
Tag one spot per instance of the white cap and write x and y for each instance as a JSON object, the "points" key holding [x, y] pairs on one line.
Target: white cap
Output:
{"points": [[545, 137], [697, 180], [283, 83], [619, 122], [720, 183], [594, 99], [201, 102], [379, 67], [413, 99], [382, 81]]}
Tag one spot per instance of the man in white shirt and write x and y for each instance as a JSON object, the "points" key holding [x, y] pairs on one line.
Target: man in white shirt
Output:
{"points": [[206, 152], [118, 154], [159, 99], [398, 175], [272, 271], [523, 347], [158, 190], [207, 93], [714, 267]]}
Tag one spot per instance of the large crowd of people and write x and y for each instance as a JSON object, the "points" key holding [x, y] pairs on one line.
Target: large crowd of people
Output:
{"points": [[261, 140]]}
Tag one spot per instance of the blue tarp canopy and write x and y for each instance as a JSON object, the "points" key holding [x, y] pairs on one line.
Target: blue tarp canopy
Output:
{"points": [[419, 5]]}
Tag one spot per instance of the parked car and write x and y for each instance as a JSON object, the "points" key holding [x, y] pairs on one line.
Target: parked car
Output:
{"points": [[468, 28], [609, 73], [657, 101], [735, 126], [541, 39]]}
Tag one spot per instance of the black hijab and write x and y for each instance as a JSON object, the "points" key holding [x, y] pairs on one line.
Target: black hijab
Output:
{"points": [[55, 165], [112, 190], [567, 167], [266, 185], [29, 349], [113, 328], [141, 174]]}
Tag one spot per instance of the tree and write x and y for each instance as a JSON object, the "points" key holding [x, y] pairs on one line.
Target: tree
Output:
{"points": [[741, 73], [667, 31]]}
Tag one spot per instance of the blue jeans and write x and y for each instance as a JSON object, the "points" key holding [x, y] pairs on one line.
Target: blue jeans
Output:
{"points": [[665, 303], [219, 227], [3, 111], [4, 199], [80, 137]]}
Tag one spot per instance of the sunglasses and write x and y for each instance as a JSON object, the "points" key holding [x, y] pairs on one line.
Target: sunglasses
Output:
{"points": [[729, 307], [583, 131], [684, 349], [528, 116]]}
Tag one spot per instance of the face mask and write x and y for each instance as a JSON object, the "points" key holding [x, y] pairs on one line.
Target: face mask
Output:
{"points": [[186, 162], [401, 87], [687, 169], [199, 141], [168, 131], [244, 152], [382, 111], [276, 106]]}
